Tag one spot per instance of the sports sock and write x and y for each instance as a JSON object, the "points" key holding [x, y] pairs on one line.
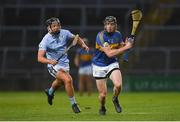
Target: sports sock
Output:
{"points": [[72, 100], [115, 97], [51, 91]]}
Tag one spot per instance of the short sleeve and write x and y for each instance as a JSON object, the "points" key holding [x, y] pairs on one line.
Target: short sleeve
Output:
{"points": [[120, 39], [43, 44], [98, 41], [69, 35]]}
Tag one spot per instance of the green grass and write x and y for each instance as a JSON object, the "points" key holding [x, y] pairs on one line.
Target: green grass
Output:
{"points": [[136, 106]]}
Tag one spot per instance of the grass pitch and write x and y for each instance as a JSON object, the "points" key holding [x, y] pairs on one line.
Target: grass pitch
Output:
{"points": [[136, 106]]}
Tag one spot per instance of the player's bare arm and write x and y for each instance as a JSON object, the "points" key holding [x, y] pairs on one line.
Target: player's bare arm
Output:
{"points": [[113, 52], [44, 60], [82, 44]]}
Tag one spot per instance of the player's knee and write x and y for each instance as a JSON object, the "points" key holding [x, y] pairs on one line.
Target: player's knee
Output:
{"points": [[58, 82], [68, 81], [103, 94], [58, 76], [118, 85]]}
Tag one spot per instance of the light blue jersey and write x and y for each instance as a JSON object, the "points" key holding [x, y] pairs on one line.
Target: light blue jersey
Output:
{"points": [[55, 46]]}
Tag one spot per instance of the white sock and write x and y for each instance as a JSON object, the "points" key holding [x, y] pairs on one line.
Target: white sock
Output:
{"points": [[72, 100]]}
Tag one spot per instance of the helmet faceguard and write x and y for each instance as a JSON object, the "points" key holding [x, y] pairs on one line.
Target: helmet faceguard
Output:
{"points": [[110, 19], [50, 21]]}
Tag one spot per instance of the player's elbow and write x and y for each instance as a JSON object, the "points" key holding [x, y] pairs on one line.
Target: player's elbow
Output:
{"points": [[39, 59], [109, 54]]}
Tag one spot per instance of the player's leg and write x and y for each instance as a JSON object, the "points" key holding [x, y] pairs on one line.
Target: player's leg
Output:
{"points": [[89, 80], [89, 84], [102, 89], [67, 79], [116, 78], [81, 84], [55, 85], [50, 92]]}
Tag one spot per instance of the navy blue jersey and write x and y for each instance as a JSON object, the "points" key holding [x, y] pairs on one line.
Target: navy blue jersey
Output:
{"points": [[85, 57], [114, 40]]}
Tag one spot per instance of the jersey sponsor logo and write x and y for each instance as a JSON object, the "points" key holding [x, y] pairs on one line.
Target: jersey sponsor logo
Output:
{"points": [[61, 37], [112, 46]]}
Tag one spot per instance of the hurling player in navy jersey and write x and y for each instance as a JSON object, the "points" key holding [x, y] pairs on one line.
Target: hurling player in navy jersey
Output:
{"points": [[109, 44]]}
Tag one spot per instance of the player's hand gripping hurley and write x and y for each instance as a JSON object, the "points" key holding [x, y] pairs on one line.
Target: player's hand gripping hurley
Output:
{"points": [[136, 18]]}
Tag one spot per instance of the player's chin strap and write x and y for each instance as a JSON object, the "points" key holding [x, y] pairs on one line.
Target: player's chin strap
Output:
{"points": [[53, 33]]}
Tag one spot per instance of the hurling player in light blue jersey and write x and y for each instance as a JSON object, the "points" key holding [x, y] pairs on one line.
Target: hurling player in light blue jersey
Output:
{"points": [[51, 47], [109, 44]]}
